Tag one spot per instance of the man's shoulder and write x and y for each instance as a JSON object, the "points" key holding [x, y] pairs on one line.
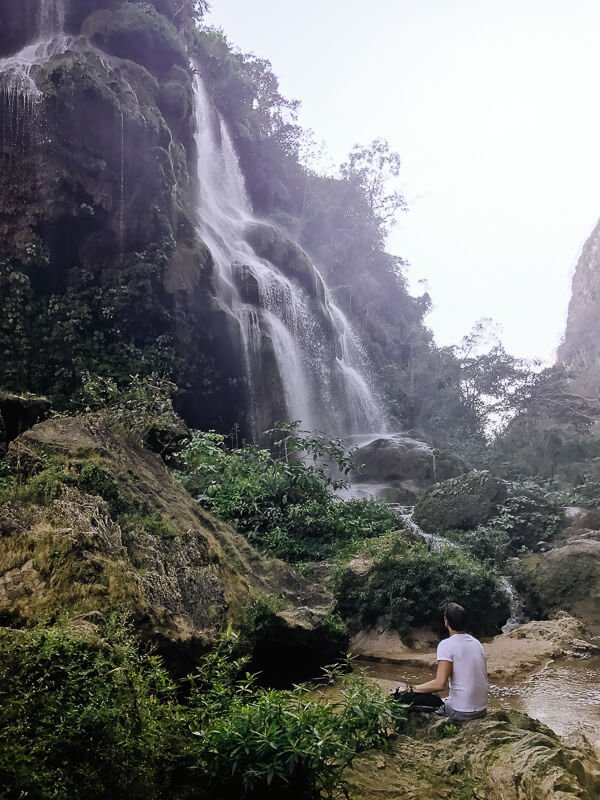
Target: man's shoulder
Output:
{"points": [[445, 651]]}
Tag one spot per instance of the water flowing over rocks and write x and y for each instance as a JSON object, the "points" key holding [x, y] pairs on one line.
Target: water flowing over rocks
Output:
{"points": [[301, 358]]}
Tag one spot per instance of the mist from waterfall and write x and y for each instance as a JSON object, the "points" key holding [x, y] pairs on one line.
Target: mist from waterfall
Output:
{"points": [[319, 360]]}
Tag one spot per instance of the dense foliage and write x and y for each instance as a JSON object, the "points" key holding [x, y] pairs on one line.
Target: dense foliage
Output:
{"points": [[282, 500], [85, 714], [410, 584]]}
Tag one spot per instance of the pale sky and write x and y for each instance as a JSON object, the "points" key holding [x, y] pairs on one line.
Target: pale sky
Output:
{"points": [[493, 107]]}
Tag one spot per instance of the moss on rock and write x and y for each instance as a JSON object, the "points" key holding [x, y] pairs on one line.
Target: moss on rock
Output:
{"points": [[94, 522], [137, 32], [460, 503]]}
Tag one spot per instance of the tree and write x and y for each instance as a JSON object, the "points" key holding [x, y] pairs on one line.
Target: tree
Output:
{"points": [[375, 169]]}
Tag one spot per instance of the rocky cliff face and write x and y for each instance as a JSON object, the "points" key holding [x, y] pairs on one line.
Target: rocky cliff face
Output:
{"points": [[128, 242], [101, 266], [581, 346]]}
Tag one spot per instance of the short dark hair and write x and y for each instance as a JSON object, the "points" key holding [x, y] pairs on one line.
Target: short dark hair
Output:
{"points": [[456, 617]]}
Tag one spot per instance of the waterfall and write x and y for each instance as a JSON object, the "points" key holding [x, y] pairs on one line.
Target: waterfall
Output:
{"points": [[299, 330], [51, 18], [516, 606], [19, 95]]}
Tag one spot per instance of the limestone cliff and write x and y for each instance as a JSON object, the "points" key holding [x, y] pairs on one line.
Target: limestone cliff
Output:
{"points": [[581, 346], [101, 266]]}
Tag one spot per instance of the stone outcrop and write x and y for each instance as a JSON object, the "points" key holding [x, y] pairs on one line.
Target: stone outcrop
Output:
{"points": [[97, 192], [581, 344], [460, 503], [506, 756], [568, 577], [397, 468], [100, 523]]}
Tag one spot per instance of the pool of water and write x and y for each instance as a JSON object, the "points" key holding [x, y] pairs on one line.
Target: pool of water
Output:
{"points": [[564, 695]]}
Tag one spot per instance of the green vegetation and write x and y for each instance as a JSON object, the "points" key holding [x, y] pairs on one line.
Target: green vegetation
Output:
{"points": [[282, 501], [409, 585], [85, 714], [460, 503]]}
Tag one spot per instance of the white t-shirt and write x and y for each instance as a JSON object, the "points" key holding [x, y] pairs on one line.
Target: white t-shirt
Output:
{"points": [[468, 682]]}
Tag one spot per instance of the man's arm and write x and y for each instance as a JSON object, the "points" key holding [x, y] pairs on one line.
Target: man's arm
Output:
{"points": [[440, 682]]}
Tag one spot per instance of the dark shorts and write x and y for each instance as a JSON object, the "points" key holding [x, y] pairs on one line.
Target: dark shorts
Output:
{"points": [[460, 716]]}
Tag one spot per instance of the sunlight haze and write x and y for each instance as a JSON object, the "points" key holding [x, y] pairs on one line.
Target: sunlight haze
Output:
{"points": [[492, 108]]}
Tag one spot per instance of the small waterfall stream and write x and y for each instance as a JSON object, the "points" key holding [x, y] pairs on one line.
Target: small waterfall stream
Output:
{"points": [[19, 95], [51, 18], [318, 359]]}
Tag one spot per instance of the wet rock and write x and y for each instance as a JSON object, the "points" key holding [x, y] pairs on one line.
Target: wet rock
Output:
{"points": [[403, 466], [568, 577], [460, 503]]}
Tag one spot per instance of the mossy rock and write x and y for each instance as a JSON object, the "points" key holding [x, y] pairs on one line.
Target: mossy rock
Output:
{"points": [[568, 578], [460, 503], [139, 33], [94, 522]]}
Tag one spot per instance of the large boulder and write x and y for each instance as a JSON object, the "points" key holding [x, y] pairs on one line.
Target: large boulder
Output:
{"points": [[506, 756], [568, 577], [460, 503], [402, 467], [99, 523]]}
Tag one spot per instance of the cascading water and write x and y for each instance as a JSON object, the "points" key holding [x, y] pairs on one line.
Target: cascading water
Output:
{"points": [[286, 327], [19, 95], [51, 18]]}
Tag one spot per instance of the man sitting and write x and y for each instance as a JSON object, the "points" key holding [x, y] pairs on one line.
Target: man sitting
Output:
{"points": [[461, 663]]}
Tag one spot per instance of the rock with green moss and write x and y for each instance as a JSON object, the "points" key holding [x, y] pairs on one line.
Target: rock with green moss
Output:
{"points": [[460, 503], [102, 268], [507, 756], [568, 577], [94, 523], [138, 33]]}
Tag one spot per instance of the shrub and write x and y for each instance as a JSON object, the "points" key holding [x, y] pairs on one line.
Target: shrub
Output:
{"points": [[80, 718], [139, 409], [85, 716], [527, 516], [486, 544], [261, 743], [284, 501], [410, 585]]}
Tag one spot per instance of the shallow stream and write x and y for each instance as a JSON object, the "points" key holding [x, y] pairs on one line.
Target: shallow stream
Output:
{"points": [[564, 695]]}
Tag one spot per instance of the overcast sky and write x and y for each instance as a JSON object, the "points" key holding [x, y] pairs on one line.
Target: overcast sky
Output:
{"points": [[493, 107]]}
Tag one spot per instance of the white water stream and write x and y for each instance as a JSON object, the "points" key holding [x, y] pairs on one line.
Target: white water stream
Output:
{"points": [[19, 95], [318, 358]]}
